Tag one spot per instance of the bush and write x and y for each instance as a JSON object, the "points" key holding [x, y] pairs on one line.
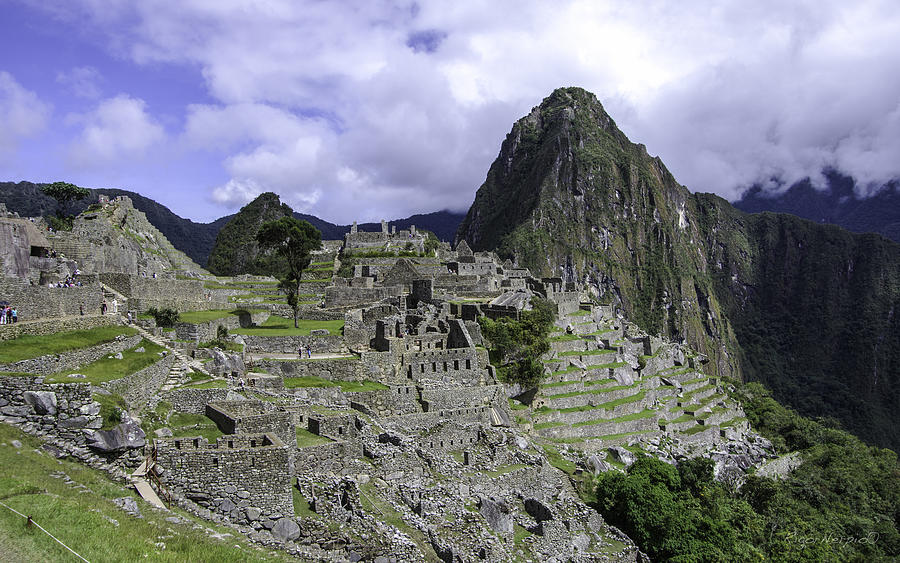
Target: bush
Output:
{"points": [[221, 332], [517, 346], [165, 318]]}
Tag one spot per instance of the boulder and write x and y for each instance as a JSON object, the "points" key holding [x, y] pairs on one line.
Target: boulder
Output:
{"points": [[163, 432], [227, 364], [597, 465], [44, 402], [129, 505], [499, 417], [118, 356], [90, 409], [140, 350], [126, 435], [497, 515], [252, 513], [285, 529], [622, 455]]}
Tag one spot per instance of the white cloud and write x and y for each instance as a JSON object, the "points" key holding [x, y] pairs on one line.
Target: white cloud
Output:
{"points": [[83, 81], [117, 129], [22, 113], [385, 108]]}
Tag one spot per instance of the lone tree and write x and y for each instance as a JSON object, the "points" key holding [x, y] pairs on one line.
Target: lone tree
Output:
{"points": [[293, 240], [63, 193]]}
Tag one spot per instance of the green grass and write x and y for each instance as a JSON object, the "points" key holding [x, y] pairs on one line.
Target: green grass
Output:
{"points": [[197, 317], [579, 313], [683, 418], [108, 368], [595, 392], [556, 384], [80, 517], [623, 435], [29, 346], [214, 384], [301, 505], [695, 429], [587, 352], [186, 424], [504, 469], [607, 405], [732, 422], [564, 338], [542, 425], [646, 413], [111, 407], [280, 326], [306, 438], [612, 365], [569, 369], [349, 386], [557, 460]]}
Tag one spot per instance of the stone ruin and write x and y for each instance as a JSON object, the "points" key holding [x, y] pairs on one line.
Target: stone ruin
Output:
{"points": [[398, 439]]}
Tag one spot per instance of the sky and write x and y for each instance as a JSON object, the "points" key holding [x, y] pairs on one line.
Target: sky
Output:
{"points": [[363, 110]]}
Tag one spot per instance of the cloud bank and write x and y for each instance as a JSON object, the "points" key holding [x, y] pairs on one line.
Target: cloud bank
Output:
{"points": [[363, 110]]}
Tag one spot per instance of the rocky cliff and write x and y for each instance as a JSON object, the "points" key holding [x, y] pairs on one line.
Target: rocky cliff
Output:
{"points": [[807, 308]]}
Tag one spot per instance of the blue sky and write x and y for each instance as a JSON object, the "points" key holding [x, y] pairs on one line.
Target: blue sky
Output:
{"points": [[381, 109]]}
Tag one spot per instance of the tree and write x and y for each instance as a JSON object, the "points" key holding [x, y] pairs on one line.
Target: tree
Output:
{"points": [[293, 240], [63, 193], [517, 346]]}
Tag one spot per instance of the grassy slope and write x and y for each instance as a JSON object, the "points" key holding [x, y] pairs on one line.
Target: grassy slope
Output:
{"points": [[80, 516], [27, 347]]}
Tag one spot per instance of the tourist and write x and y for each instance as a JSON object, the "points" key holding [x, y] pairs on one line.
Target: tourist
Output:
{"points": [[15, 315], [300, 352], [115, 306], [81, 309], [103, 308], [309, 352]]}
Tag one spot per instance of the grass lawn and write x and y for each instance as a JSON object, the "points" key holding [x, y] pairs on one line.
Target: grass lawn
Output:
{"points": [[185, 424], [280, 326], [28, 346], [82, 518], [197, 317], [306, 438], [587, 352], [313, 381], [108, 368]]}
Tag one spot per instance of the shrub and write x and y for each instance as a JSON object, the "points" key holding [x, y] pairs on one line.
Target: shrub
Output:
{"points": [[165, 318]]}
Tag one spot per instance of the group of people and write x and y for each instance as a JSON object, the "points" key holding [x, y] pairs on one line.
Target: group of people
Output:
{"points": [[70, 281], [8, 315], [308, 352]]}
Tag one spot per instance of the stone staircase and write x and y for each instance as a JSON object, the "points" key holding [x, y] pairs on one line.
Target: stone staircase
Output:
{"points": [[182, 367]]}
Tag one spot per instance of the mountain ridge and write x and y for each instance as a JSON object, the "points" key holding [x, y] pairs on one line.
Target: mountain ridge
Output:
{"points": [[198, 239]]}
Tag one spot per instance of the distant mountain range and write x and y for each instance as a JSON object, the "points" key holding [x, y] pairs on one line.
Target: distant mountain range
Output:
{"points": [[197, 239], [838, 204]]}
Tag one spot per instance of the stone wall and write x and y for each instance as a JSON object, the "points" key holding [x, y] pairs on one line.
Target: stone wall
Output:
{"points": [[25, 401], [458, 365], [327, 458], [139, 387], [54, 326], [204, 332], [336, 427], [146, 292], [244, 477], [443, 398], [395, 401], [252, 417], [33, 302], [335, 369], [331, 344], [338, 296], [54, 363]]}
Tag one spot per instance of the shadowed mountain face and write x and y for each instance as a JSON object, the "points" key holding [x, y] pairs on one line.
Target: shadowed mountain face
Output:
{"points": [[811, 310], [198, 239], [837, 203]]}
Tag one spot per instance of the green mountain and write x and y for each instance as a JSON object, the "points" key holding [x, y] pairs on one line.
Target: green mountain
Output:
{"points": [[236, 251], [811, 310]]}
